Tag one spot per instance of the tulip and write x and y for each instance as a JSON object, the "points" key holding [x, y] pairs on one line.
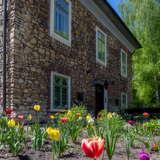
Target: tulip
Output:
{"points": [[109, 115], [54, 134], [37, 107], [144, 156], [11, 123], [78, 114], [52, 117], [93, 147], [29, 118], [8, 111], [69, 113], [64, 120], [21, 117], [89, 119], [146, 115], [13, 115], [155, 147], [131, 122]]}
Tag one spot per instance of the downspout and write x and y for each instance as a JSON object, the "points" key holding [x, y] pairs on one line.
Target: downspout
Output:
{"points": [[4, 51]]}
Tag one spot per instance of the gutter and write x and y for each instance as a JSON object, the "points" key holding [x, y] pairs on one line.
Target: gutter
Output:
{"points": [[4, 51]]}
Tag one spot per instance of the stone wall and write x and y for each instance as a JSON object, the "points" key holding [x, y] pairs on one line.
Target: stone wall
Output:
{"points": [[35, 54], [1, 55]]}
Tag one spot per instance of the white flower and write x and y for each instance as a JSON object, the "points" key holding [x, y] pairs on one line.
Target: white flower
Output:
{"points": [[13, 115]]}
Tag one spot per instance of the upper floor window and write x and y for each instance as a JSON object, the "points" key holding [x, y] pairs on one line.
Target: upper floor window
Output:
{"points": [[60, 91], [101, 45], [60, 20], [124, 101], [124, 65]]}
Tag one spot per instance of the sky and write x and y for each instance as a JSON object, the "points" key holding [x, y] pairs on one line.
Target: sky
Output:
{"points": [[114, 4]]}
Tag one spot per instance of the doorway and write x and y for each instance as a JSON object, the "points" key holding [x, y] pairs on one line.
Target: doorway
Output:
{"points": [[99, 97]]}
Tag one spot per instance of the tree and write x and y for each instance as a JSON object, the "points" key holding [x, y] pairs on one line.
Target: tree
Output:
{"points": [[143, 19]]}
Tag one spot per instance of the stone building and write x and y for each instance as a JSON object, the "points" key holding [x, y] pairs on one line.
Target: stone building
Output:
{"points": [[61, 52]]}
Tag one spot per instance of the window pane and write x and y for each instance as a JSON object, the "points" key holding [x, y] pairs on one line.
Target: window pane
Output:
{"points": [[61, 26], [60, 92], [57, 97], [64, 82], [101, 46], [124, 58], [57, 80], [124, 63], [64, 97], [124, 99]]}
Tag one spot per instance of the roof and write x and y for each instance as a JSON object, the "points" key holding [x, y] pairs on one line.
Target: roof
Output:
{"points": [[115, 18]]}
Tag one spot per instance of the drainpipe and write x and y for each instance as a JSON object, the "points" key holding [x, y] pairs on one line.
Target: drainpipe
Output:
{"points": [[4, 51]]}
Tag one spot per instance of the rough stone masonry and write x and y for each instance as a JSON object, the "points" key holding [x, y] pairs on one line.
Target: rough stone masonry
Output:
{"points": [[33, 54]]}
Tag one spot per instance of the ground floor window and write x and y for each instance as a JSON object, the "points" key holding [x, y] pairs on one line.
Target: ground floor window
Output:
{"points": [[124, 101], [60, 91]]}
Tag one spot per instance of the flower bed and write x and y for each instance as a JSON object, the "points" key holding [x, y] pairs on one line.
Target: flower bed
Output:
{"points": [[74, 134]]}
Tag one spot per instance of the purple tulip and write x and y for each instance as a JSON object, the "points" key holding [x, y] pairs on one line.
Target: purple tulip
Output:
{"points": [[131, 122], [144, 156]]}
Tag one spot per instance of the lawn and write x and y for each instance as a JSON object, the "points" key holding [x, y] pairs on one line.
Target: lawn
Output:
{"points": [[75, 134]]}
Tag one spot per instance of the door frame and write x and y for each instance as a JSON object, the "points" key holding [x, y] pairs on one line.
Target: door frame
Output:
{"points": [[105, 99]]}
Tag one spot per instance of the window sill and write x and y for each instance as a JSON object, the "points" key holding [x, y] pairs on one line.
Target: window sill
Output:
{"points": [[58, 110], [124, 76], [61, 39], [101, 63]]}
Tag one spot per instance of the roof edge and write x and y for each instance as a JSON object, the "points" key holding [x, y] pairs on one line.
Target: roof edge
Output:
{"points": [[137, 43]]}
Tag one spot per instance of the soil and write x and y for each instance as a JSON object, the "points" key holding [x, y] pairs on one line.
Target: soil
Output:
{"points": [[74, 153]]}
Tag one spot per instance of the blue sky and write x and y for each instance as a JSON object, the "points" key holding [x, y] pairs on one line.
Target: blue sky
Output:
{"points": [[114, 4]]}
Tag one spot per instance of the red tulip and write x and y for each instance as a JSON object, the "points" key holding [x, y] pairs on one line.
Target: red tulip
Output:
{"points": [[8, 111], [93, 147], [64, 120], [21, 117], [146, 115]]}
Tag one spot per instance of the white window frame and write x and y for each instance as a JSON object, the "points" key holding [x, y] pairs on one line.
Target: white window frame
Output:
{"points": [[122, 74], [52, 32], [97, 59], [52, 90], [122, 105]]}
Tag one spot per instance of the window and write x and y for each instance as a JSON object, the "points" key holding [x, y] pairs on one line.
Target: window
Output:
{"points": [[124, 101], [123, 63], [101, 46], [60, 91], [60, 20]]}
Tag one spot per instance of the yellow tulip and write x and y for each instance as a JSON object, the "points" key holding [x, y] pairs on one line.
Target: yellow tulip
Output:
{"points": [[69, 113], [88, 117], [29, 117], [37, 107], [109, 115], [52, 117], [11, 123], [54, 134], [19, 126]]}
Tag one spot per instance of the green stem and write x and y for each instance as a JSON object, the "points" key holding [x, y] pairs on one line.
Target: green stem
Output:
{"points": [[54, 156]]}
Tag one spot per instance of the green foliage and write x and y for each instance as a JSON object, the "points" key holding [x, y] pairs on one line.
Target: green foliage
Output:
{"points": [[13, 137], [143, 18], [38, 134], [110, 127], [76, 121], [16, 139]]}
